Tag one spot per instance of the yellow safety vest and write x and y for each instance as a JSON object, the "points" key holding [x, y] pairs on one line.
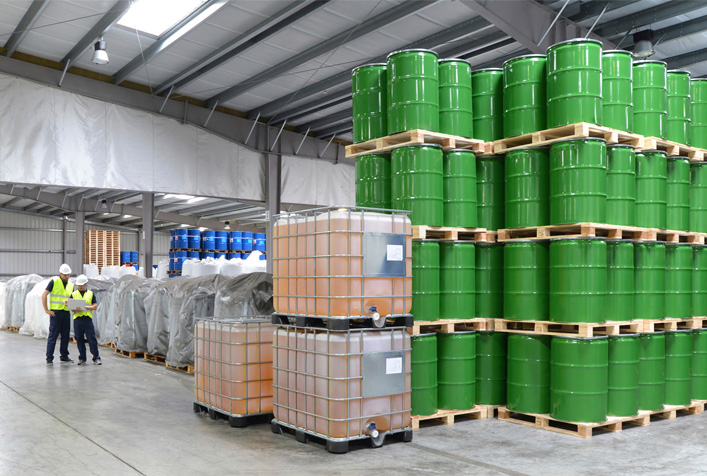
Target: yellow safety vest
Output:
{"points": [[88, 297], [59, 294]]}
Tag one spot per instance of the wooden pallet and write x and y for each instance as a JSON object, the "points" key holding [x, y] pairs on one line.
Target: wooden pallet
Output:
{"points": [[451, 233], [573, 329], [674, 236], [189, 369], [674, 149], [447, 326], [13, 329], [447, 417], [570, 131], [670, 324], [129, 354], [155, 358], [585, 430], [578, 230], [417, 137]]}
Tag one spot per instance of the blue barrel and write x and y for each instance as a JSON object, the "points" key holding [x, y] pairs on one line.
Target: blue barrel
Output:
{"points": [[180, 239], [208, 240], [245, 255], [134, 257], [235, 241], [171, 261], [234, 255], [193, 255], [220, 255], [247, 241], [125, 257], [221, 241], [179, 258], [207, 254], [194, 238], [259, 242]]}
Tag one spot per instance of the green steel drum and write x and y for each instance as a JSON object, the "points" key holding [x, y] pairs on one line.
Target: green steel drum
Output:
{"points": [[624, 351], [578, 181], [678, 367], [579, 374], [370, 101], [699, 364], [417, 183], [457, 276], [491, 349], [649, 260], [425, 280], [490, 182], [459, 188], [651, 371], [651, 181], [650, 98], [423, 362], [456, 370], [413, 91], [489, 280], [678, 123], [698, 127], [620, 185], [574, 82], [528, 382], [698, 197], [678, 281], [524, 89], [578, 280], [619, 280], [527, 188], [617, 89], [487, 103], [455, 105], [373, 181], [525, 280], [677, 194], [699, 281]]}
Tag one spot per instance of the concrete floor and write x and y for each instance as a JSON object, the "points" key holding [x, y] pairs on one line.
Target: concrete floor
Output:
{"points": [[132, 417]]}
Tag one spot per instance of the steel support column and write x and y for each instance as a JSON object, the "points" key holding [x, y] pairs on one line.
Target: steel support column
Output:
{"points": [[148, 230], [272, 199], [80, 232]]}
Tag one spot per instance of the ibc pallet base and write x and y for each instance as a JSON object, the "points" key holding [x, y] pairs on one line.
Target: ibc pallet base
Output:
{"points": [[338, 445], [568, 329], [447, 417], [340, 323], [584, 430], [236, 421]]}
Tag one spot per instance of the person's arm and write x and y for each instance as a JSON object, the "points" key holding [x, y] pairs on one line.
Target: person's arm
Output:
{"points": [[44, 303], [94, 304]]}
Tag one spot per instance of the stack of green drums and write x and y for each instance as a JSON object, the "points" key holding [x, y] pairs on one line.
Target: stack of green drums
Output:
{"points": [[620, 185], [490, 183], [651, 371], [413, 91], [574, 81], [457, 278], [491, 349], [456, 370], [699, 281], [624, 352], [487, 103], [489, 280], [678, 124], [525, 280], [579, 379], [455, 105], [678, 281], [370, 102], [527, 188], [617, 89], [524, 89], [425, 280], [417, 183], [677, 194], [459, 188], [651, 181], [699, 364], [424, 374], [650, 98], [649, 259], [578, 280], [678, 371], [578, 181], [698, 197], [620, 286], [528, 384], [373, 181], [698, 128]]}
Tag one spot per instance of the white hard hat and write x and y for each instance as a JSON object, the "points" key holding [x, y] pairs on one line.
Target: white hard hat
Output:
{"points": [[81, 280], [64, 269]]}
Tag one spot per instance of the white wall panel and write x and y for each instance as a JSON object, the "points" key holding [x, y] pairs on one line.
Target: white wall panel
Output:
{"points": [[317, 182], [175, 150], [129, 149]]}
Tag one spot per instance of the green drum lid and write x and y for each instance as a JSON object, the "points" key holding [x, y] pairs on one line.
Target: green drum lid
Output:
{"points": [[620, 279], [417, 182], [456, 370], [527, 188], [699, 364], [489, 280], [413, 91], [370, 101], [524, 88], [491, 349], [425, 280], [528, 380], [651, 371], [678, 281], [459, 188], [490, 184], [525, 280], [678, 367], [424, 374], [487, 103], [455, 98], [457, 280], [373, 181]]}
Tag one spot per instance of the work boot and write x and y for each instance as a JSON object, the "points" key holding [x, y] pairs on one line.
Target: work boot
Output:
{"points": [[66, 360], [81, 362], [50, 362], [97, 361]]}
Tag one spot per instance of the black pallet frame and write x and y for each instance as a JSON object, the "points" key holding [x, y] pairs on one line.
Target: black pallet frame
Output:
{"points": [[235, 421], [339, 324]]}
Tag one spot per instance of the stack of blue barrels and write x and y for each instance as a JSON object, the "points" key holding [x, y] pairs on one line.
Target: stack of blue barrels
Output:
{"points": [[221, 244], [235, 244], [130, 258], [208, 244], [178, 249], [259, 244]]}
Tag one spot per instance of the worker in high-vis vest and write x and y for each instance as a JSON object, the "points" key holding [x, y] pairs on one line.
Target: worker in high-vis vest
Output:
{"points": [[83, 322], [59, 290]]}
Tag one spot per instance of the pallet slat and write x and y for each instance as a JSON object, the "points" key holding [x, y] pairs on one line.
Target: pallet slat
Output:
{"points": [[416, 137], [673, 149], [447, 326], [447, 417], [579, 329], [451, 233]]}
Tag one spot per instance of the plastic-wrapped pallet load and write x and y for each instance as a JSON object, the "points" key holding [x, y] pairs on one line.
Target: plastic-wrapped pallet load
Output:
{"points": [[162, 269], [159, 302], [131, 315], [34, 311], [3, 295], [104, 319], [17, 290], [245, 295], [91, 271], [111, 271]]}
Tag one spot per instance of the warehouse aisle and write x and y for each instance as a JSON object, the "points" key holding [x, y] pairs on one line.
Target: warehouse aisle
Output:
{"points": [[132, 417]]}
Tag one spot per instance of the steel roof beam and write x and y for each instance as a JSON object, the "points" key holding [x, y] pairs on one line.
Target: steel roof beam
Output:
{"points": [[391, 15], [12, 201], [335, 129], [325, 121], [32, 14], [655, 14], [581, 11], [334, 99], [686, 59], [697, 25]]}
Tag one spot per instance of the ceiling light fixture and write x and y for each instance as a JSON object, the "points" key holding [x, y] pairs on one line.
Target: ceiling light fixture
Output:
{"points": [[643, 44], [99, 54], [228, 225]]}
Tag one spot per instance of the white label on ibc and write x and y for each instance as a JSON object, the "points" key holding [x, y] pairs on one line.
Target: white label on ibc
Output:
{"points": [[394, 365], [395, 253]]}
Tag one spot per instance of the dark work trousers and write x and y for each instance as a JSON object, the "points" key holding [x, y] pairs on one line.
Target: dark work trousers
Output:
{"points": [[59, 325], [83, 327]]}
